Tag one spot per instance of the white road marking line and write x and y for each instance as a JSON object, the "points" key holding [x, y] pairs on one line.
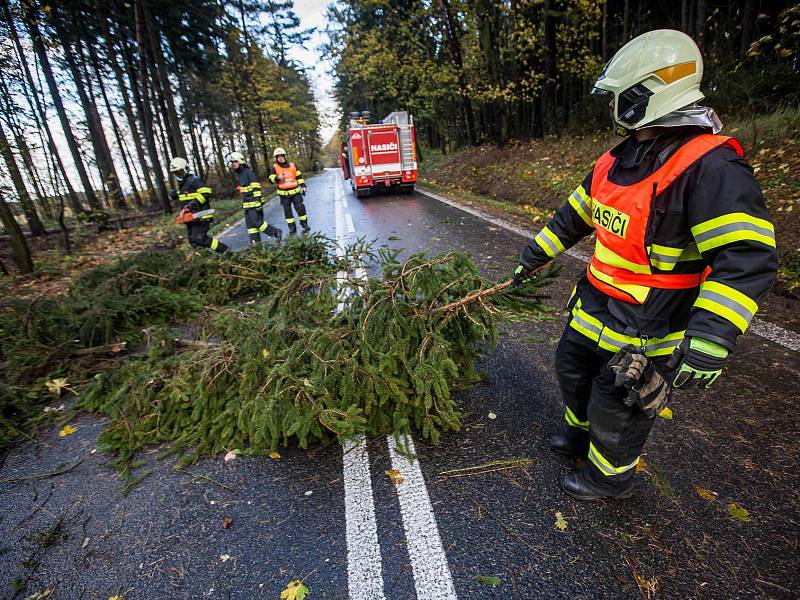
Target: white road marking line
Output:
{"points": [[770, 331], [364, 577], [432, 577], [351, 228]]}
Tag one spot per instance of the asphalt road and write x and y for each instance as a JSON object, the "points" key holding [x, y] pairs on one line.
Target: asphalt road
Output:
{"points": [[335, 518]]}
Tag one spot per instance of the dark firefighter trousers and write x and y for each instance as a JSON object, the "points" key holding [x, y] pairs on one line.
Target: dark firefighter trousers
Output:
{"points": [[197, 231], [595, 414], [299, 207], [256, 225]]}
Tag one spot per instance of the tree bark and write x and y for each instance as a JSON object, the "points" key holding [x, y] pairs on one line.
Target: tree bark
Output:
{"points": [[99, 143], [19, 246], [161, 70], [148, 119], [549, 85], [126, 105], [700, 23], [31, 19], [748, 20], [34, 223], [453, 30]]}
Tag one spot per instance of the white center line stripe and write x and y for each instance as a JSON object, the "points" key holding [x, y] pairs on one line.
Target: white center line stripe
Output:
{"points": [[432, 577], [364, 579], [770, 331]]}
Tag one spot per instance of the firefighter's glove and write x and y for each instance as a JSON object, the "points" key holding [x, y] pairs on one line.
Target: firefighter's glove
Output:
{"points": [[521, 274], [173, 195], [303, 189], [646, 387], [697, 360]]}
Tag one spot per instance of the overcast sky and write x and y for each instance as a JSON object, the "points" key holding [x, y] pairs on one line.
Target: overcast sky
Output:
{"points": [[312, 14]]}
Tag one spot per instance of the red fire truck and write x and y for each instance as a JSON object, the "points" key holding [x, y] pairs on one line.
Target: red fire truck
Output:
{"points": [[380, 155]]}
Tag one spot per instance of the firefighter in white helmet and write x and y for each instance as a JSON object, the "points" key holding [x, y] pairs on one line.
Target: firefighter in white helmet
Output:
{"points": [[252, 201], [291, 188], [684, 251], [193, 195]]}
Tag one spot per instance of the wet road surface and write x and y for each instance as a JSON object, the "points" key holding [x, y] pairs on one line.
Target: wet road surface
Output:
{"points": [[438, 537]]}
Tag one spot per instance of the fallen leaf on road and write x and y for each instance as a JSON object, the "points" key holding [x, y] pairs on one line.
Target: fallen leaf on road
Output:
{"points": [[67, 430], [492, 416], [739, 513], [274, 454], [666, 413], [294, 591], [395, 476], [561, 522], [224, 557], [641, 465], [231, 455], [119, 597], [43, 595], [309, 492], [705, 494], [580, 463], [227, 522], [489, 580], [56, 386]]}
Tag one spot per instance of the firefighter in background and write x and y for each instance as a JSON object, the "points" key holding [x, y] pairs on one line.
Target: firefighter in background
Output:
{"points": [[684, 252], [291, 188], [193, 195], [252, 202]]}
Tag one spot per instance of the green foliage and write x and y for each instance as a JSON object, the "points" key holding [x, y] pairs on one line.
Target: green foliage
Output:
{"points": [[293, 367]]}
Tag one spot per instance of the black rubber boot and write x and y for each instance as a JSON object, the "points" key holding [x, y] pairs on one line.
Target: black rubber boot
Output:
{"points": [[570, 444], [579, 486]]}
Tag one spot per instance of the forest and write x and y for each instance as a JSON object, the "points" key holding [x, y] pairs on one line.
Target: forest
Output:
{"points": [[97, 97], [489, 72]]}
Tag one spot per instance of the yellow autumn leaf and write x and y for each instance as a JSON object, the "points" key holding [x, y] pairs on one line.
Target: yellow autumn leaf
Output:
{"points": [[666, 413], [739, 513], [561, 522], [67, 430], [395, 476], [56, 386], [274, 454], [705, 494], [294, 591], [641, 465], [115, 597], [265, 353]]}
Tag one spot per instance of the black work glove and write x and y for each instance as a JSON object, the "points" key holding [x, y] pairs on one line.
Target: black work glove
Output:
{"points": [[521, 274], [173, 195], [646, 387], [697, 360]]}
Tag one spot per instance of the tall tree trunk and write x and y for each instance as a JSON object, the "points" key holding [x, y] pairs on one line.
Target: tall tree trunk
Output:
{"points": [[216, 142], [93, 58], [161, 70], [22, 147], [148, 118], [549, 85], [34, 223], [605, 31], [453, 31], [700, 23], [748, 20], [32, 21], [19, 246], [101, 150], [626, 21], [75, 203], [111, 55]]}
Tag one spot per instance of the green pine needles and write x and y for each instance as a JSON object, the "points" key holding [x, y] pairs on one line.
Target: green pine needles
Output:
{"points": [[285, 349]]}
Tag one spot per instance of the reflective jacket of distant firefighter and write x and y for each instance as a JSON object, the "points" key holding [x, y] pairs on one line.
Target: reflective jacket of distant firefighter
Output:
{"points": [[684, 243], [194, 193], [249, 187], [291, 179]]}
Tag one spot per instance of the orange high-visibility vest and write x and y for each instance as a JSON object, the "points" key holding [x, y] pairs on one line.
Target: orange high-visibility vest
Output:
{"points": [[620, 266], [288, 175]]}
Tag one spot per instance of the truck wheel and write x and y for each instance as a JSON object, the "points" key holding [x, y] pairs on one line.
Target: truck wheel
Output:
{"points": [[407, 189], [363, 192]]}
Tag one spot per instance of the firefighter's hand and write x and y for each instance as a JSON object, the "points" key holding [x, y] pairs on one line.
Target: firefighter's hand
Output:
{"points": [[697, 361], [628, 366], [303, 189], [521, 275], [173, 195], [279, 179]]}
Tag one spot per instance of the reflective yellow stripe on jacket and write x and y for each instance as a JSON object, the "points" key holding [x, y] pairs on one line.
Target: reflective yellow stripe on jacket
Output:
{"points": [[733, 227], [727, 302]]}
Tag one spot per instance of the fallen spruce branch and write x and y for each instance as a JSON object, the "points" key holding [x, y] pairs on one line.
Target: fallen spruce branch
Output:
{"points": [[47, 475]]}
